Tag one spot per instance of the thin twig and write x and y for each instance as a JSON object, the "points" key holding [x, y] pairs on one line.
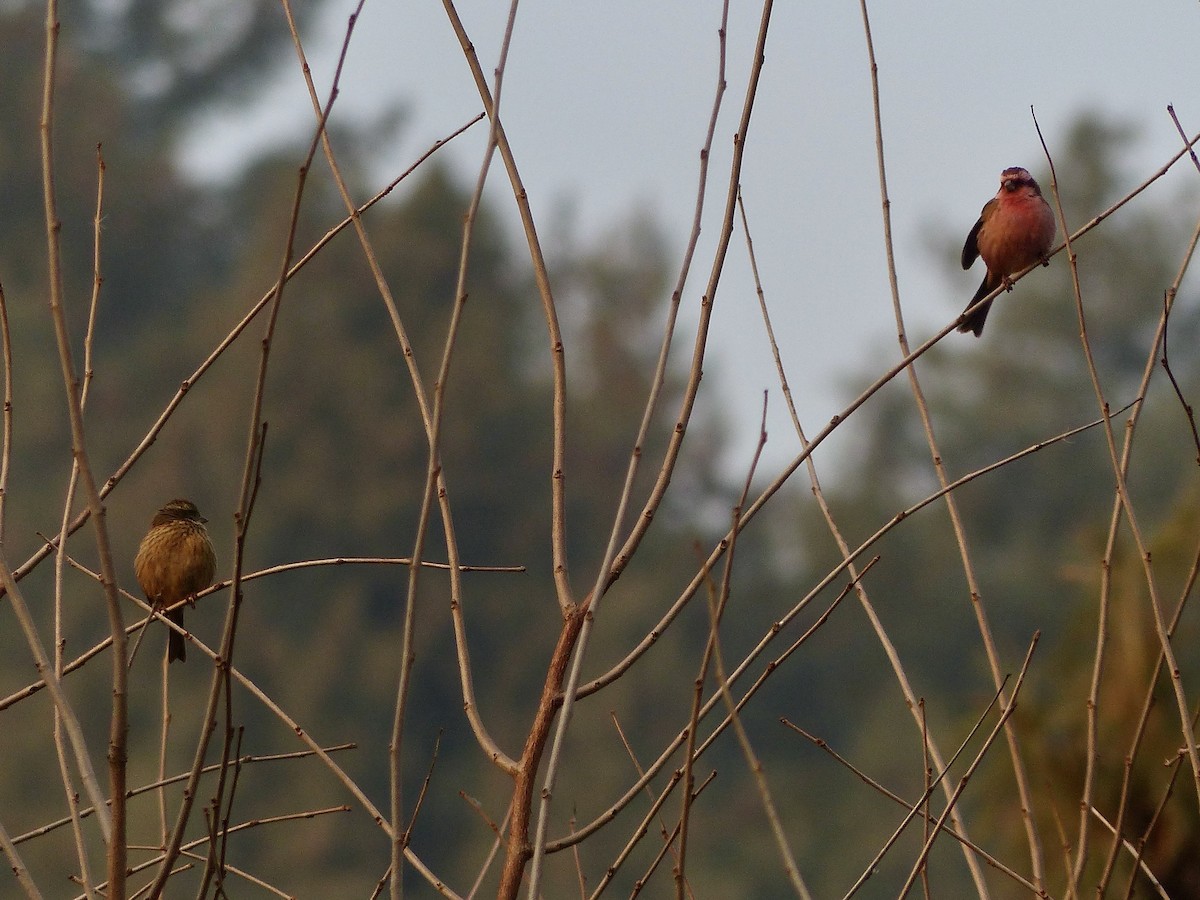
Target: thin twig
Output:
{"points": [[217, 587], [1010, 705], [668, 837], [17, 866], [72, 794], [918, 808], [246, 876], [668, 845], [1187, 407], [1134, 852], [119, 712], [246, 760], [1183, 134], [6, 450], [241, 826], [412, 822], [497, 844], [922, 811], [558, 526], [753, 763]]}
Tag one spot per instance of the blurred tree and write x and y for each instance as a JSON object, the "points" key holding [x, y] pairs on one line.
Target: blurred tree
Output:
{"points": [[170, 57]]}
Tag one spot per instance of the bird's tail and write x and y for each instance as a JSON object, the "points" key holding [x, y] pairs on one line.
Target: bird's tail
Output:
{"points": [[974, 320], [176, 645]]}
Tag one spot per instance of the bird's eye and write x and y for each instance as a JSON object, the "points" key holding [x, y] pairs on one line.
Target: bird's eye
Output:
{"points": [[1011, 184]]}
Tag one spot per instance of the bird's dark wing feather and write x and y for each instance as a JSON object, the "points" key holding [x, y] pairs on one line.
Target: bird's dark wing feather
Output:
{"points": [[970, 251]]}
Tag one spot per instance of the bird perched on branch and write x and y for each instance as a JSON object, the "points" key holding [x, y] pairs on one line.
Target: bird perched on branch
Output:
{"points": [[1015, 229], [175, 562]]}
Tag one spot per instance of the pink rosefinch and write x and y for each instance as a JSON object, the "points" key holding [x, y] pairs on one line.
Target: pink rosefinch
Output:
{"points": [[1015, 229], [175, 561]]}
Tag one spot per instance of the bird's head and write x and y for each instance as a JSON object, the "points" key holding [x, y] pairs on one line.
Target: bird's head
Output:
{"points": [[1015, 178], [184, 510]]}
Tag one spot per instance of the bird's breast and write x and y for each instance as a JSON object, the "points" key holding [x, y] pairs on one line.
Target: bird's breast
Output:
{"points": [[1018, 234]]}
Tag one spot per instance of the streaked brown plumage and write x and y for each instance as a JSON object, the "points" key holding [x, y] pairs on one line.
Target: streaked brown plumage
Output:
{"points": [[175, 561]]}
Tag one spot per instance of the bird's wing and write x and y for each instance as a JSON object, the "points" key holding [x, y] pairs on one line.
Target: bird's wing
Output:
{"points": [[970, 251]]}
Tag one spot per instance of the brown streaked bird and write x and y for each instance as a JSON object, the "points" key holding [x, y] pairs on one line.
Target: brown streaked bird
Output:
{"points": [[1015, 230], [175, 562]]}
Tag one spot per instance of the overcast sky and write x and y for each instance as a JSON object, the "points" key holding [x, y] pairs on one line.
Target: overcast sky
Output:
{"points": [[606, 105]]}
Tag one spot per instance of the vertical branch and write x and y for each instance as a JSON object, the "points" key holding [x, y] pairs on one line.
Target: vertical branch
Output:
{"points": [[993, 657], [558, 524], [164, 732], [45, 668], [255, 434], [19, 870], [61, 554], [97, 280], [119, 715], [518, 851], [1114, 522], [690, 392], [6, 449], [615, 561], [926, 775], [689, 763], [716, 611], [430, 417], [432, 475], [435, 480], [1119, 464]]}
